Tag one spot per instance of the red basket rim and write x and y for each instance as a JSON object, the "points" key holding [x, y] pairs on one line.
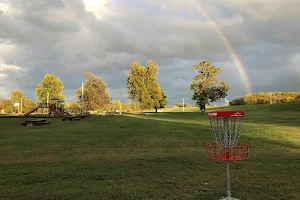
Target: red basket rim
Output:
{"points": [[237, 153], [230, 113]]}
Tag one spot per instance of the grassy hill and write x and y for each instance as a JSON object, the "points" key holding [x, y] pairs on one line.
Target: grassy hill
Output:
{"points": [[154, 156]]}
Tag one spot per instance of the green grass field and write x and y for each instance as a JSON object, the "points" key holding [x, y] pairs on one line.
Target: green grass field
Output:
{"points": [[155, 156]]}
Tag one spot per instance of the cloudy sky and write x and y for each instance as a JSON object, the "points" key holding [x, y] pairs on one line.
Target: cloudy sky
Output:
{"points": [[69, 37]]}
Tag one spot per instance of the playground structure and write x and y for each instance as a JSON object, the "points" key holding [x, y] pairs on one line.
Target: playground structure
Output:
{"points": [[226, 128], [55, 108]]}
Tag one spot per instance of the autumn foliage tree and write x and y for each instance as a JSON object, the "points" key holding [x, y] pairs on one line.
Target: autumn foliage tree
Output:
{"points": [[95, 95], [136, 84], [52, 85], [7, 106], [152, 85], [17, 96], [117, 105], [143, 86], [73, 107], [206, 85]]}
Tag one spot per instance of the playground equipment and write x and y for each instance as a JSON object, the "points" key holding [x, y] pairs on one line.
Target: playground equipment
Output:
{"points": [[55, 107], [226, 128]]}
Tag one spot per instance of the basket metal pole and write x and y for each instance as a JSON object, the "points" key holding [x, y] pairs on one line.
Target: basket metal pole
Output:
{"points": [[228, 181]]}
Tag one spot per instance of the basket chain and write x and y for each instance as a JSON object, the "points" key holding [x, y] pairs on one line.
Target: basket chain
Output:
{"points": [[226, 130]]}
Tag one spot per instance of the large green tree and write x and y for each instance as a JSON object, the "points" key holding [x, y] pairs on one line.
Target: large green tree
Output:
{"points": [[52, 85], [206, 86], [143, 85], [95, 94]]}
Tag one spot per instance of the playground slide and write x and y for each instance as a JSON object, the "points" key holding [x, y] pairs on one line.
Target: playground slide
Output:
{"points": [[30, 111], [67, 112], [55, 111]]}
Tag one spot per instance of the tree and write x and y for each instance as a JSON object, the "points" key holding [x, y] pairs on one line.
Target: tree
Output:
{"points": [[126, 107], [163, 102], [6, 105], [117, 105], [16, 97], [73, 107], [137, 88], [143, 86], [206, 86], [152, 84], [95, 94], [50, 84]]}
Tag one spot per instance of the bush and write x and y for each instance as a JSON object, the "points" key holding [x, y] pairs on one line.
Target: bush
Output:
{"points": [[266, 98], [181, 105], [238, 101]]}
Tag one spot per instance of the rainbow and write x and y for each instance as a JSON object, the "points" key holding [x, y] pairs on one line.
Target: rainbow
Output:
{"points": [[226, 41]]}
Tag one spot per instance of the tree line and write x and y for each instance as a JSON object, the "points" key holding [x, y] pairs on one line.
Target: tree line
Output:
{"points": [[7, 105], [267, 98], [143, 86]]}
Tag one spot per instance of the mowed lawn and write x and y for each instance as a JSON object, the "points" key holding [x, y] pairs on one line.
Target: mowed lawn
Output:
{"points": [[155, 156]]}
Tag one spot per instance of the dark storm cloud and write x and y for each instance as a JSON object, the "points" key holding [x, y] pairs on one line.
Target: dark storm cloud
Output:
{"points": [[62, 37]]}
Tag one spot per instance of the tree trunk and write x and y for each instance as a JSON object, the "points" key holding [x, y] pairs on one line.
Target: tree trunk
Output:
{"points": [[156, 109]]}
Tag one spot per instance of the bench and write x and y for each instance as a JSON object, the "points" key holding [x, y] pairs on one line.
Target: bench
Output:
{"points": [[36, 122]]}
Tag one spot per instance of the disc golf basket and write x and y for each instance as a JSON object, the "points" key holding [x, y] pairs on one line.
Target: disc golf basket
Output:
{"points": [[226, 128]]}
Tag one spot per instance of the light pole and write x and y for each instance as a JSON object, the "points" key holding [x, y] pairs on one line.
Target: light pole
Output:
{"points": [[82, 98], [183, 105]]}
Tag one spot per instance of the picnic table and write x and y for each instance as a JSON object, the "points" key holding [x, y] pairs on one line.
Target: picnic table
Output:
{"points": [[35, 122]]}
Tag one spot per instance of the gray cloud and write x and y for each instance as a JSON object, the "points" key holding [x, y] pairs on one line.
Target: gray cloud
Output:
{"points": [[67, 38]]}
